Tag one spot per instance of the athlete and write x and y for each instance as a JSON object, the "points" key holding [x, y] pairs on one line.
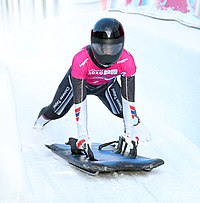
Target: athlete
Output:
{"points": [[94, 71]]}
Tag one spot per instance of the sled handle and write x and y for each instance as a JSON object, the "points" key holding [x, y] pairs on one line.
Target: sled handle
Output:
{"points": [[106, 144]]}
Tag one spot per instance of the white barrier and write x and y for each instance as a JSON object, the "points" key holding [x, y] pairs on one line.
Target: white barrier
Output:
{"points": [[13, 176], [184, 6]]}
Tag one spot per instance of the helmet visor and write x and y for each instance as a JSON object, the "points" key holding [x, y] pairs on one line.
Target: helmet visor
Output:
{"points": [[107, 49]]}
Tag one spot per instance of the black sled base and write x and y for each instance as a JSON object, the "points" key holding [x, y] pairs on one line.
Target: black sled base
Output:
{"points": [[107, 160]]}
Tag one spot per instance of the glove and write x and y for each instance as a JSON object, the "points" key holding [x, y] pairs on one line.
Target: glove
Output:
{"points": [[72, 142], [132, 145], [125, 139], [141, 133], [121, 147], [83, 143], [85, 146], [131, 142]]}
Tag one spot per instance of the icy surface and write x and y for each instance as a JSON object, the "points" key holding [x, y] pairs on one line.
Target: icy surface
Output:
{"points": [[38, 55]]}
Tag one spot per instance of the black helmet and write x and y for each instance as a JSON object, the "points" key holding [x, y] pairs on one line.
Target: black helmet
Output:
{"points": [[107, 41]]}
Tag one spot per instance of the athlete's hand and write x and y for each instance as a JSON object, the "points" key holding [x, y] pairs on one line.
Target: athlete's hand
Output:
{"points": [[130, 141], [85, 145]]}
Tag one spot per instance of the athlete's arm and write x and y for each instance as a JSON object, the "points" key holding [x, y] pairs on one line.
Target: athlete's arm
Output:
{"points": [[128, 100], [79, 94], [128, 88]]}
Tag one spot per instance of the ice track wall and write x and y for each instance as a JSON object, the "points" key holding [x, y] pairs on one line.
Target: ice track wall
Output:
{"points": [[14, 183]]}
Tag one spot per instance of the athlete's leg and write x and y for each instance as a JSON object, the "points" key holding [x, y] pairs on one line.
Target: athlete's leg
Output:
{"points": [[61, 104]]}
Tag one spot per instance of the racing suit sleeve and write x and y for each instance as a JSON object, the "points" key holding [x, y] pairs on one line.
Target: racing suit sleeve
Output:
{"points": [[79, 94], [128, 101]]}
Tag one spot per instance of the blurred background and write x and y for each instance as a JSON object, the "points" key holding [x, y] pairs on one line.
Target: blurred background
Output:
{"points": [[25, 12]]}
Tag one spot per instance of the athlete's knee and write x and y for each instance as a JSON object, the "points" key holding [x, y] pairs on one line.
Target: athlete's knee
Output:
{"points": [[49, 113], [120, 115]]}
